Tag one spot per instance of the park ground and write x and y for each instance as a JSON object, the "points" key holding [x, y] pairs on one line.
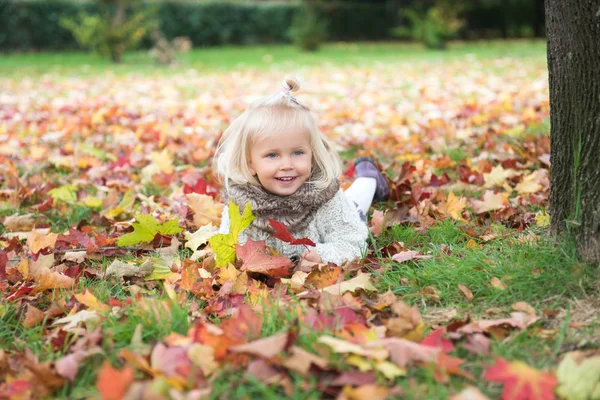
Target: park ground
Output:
{"points": [[463, 136]]}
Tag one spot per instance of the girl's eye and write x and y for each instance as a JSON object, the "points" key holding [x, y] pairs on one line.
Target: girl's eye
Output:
{"points": [[271, 155], [298, 152]]}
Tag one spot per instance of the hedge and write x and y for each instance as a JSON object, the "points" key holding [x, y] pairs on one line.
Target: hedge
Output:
{"points": [[34, 24]]}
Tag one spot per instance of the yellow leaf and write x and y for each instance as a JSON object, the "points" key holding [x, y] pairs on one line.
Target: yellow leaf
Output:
{"points": [[491, 201], [37, 242], [579, 377], [203, 357], [90, 301], [228, 273], [206, 210], [223, 245], [362, 281], [542, 219], [64, 193], [359, 362], [471, 244], [497, 176], [390, 370], [530, 184], [454, 206]]}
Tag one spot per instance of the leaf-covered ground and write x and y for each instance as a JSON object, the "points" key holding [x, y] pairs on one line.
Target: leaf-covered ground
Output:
{"points": [[107, 200]]}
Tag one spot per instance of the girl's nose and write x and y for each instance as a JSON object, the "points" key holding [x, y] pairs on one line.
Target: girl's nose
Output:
{"points": [[286, 163]]}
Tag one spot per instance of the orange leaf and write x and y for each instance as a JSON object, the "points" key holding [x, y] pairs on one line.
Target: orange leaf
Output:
{"points": [[112, 383], [255, 259], [521, 382]]}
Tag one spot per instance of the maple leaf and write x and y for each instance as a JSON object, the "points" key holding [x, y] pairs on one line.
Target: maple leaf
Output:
{"points": [[64, 193], [521, 382], [282, 233], [491, 201], [256, 259], [146, 228], [206, 210], [579, 377], [112, 383], [454, 206], [90, 301], [223, 244], [197, 239], [267, 347]]}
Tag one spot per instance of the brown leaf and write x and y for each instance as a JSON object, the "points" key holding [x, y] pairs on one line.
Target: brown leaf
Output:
{"points": [[409, 255], [466, 291], [524, 306], [267, 347], [301, 361], [377, 221], [497, 283], [403, 351], [33, 317], [19, 223], [367, 392]]}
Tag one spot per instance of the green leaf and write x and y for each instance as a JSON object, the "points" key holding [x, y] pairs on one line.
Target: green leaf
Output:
{"points": [[64, 193], [223, 245], [146, 228]]}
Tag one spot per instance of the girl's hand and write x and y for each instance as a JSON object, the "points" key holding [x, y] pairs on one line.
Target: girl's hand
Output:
{"points": [[312, 256]]}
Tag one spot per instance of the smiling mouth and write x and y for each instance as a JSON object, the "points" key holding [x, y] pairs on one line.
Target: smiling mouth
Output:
{"points": [[287, 179]]}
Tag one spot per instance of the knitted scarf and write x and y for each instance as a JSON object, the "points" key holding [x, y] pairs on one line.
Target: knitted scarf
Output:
{"points": [[294, 211]]}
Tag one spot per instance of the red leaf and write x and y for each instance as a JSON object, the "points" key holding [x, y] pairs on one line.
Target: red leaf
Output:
{"points": [[13, 389], [282, 233], [521, 382], [255, 258], [436, 339], [112, 383], [3, 262]]}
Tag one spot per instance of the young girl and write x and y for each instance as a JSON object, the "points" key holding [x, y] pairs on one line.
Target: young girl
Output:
{"points": [[275, 157]]}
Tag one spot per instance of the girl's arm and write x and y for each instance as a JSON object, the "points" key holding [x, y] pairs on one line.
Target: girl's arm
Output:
{"points": [[343, 234]]}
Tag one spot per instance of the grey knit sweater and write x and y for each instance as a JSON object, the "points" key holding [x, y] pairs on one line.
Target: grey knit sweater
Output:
{"points": [[336, 228]]}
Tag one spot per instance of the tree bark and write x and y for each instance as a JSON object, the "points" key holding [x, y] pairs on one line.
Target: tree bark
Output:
{"points": [[573, 32]]}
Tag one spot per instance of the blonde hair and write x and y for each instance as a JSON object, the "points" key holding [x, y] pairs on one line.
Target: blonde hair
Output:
{"points": [[269, 116]]}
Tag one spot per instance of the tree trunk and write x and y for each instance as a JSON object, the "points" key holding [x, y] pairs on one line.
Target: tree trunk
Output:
{"points": [[573, 31]]}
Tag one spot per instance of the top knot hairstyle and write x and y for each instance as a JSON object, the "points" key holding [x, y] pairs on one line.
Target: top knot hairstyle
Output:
{"points": [[269, 116]]}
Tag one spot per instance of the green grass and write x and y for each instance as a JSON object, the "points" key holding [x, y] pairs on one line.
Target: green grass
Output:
{"points": [[533, 271], [263, 57]]}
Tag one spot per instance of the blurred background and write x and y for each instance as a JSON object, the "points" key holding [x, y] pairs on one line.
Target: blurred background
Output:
{"points": [[164, 31]]}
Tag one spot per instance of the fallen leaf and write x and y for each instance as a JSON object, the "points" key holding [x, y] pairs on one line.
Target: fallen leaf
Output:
{"points": [[37, 242], [206, 210], [112, 383], [454, 206], [19, 223], [362, 281], [267, 347], [403, 352], [345, 347], [198, 238], [90, 301], [466, 291], [301, 360], [525, 307], [282, 233], [222, 244], [497, 283], [366, 392], [491, 202], [33, 317], [256, 259], [377, 221], [521, 381], [579, 376], [470, 393], [409, 255], [203, 357]]}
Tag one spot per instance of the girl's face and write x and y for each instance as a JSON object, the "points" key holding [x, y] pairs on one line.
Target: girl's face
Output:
{"points": [[282, 163]]}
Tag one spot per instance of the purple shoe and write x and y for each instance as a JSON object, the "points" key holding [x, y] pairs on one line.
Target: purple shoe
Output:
{"points": [[365, 168]]}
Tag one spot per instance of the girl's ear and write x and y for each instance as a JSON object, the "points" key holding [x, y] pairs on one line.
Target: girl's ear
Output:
{"points": [[251, 169]]}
